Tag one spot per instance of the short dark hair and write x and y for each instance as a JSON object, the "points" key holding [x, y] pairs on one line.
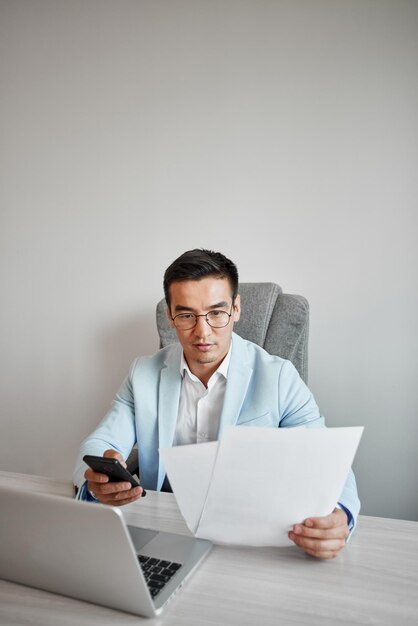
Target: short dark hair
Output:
{"points": [[197, 264]]}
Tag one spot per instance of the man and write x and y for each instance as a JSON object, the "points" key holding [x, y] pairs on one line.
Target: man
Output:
{"points": [[188, 392]]}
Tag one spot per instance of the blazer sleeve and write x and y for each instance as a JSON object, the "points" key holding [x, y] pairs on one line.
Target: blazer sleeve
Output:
{"points": [[116, 431], [298, 408]]}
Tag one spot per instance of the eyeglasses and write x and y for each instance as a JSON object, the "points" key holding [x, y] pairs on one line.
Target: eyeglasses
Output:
{"points": [[215, 319]]}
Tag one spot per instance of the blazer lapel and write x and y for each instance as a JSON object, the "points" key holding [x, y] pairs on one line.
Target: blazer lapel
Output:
{"points": [[239, 376]]}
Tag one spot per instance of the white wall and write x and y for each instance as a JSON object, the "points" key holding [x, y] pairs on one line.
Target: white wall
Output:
{"points": [[283, 133]]}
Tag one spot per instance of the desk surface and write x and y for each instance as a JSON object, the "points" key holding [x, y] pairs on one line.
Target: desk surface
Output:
{"points": [[374, 580]]}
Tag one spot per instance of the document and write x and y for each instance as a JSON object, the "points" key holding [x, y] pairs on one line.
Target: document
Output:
{"points": [[254, 484]]}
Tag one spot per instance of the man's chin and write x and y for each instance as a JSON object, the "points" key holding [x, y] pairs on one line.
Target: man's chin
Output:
{"points": [[205, 359]]}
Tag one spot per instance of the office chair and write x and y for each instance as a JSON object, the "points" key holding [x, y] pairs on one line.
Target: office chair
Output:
{"points": [[276, 321]]}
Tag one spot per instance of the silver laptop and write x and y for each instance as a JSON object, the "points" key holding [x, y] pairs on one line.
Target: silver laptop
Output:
{"points": [[87, 551]]}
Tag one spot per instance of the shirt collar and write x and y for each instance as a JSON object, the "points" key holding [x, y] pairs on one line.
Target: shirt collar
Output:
{"points": [[222, 369]]}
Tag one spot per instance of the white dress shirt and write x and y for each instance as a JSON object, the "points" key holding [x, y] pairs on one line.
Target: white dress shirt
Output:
{"points": [[200, 407]]}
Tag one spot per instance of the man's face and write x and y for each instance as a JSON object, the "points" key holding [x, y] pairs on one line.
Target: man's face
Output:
{"points": [[204, 347]]}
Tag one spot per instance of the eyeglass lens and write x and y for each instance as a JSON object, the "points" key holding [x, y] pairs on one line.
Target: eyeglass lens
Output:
{"points": [[216, 319]]}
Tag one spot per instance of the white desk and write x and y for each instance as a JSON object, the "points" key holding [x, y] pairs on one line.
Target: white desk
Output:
{"points": [[374, 580]]}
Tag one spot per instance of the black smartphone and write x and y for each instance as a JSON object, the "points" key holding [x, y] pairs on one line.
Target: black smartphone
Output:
{"points": [[112, 468]]}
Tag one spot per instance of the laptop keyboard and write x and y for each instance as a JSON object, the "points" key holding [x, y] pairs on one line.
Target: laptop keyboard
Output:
{"points": [[157, 572]]}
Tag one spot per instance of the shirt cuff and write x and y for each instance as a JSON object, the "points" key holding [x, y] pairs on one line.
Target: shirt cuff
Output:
{"points": [[85, 495], [350, 518]]}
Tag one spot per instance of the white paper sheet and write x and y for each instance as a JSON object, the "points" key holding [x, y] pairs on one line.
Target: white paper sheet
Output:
{"points": [[253, 485], [190, 471]]}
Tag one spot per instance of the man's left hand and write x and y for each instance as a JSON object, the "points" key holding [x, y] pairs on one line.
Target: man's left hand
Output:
{"points": [[323, 537]]}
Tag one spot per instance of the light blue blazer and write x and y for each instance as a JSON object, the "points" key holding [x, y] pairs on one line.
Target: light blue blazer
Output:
{"points": [[261, 390]]}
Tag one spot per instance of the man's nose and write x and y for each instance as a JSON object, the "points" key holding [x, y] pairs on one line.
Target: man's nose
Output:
{"points": [[202, 328]]}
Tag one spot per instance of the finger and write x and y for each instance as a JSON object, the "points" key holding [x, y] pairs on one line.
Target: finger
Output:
{"points": [[323, 554], [112, 454], [122, 497], [336, 518], [336, 532], [123, 502], [110, 488], [115, 490], [95, 477], [317, 546]]}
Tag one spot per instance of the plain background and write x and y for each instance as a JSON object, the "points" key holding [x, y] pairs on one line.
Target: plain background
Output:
{"points": [[282, 133]]}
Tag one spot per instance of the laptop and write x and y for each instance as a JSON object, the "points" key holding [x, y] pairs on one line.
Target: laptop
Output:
{"points": [[87, 551]]}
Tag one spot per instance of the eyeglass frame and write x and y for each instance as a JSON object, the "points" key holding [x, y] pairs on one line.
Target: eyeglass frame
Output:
{"points": [[205, 315]]}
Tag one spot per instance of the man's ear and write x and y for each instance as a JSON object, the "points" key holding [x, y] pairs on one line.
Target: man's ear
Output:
{"points": [[236, 313], [170, 321]]}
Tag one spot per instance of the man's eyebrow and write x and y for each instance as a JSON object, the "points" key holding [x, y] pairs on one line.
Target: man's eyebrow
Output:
{"points": [[218, 305]]}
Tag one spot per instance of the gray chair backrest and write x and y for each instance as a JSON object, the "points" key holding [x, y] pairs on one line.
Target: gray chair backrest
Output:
{"points": [[276, 321]]}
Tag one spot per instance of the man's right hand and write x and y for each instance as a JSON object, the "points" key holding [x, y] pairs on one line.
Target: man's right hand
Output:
{"points": [[112, 493]]}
